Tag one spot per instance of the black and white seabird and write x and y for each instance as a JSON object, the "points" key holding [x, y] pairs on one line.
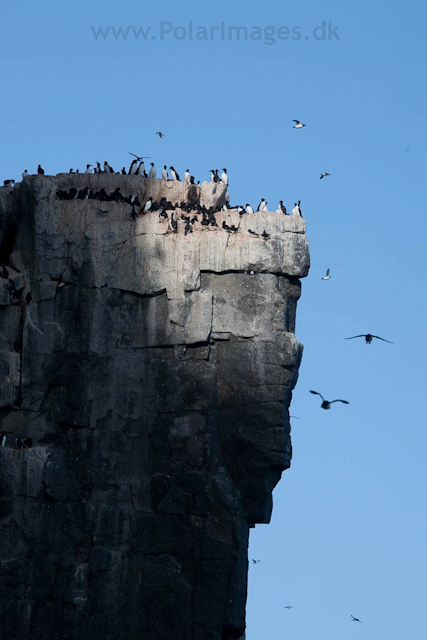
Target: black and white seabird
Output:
{"points": [[187, 176], [152, 173], [249, 208], [262, 205], [88, 168], [289, 606], [124, 172], [255, 561], [174, 174], [298, 125], [40, 171], [3, 439], [98, 168], [368, 338], [141, 168], [296, 211], [173, 224], [355, 619], [133, 167], [326, 404], [324, 174], [327, 277], [224, 177], [19, 443], [25, 173], [71, 171], [147, 205], [265, 235], [253, 233], [281, 208], [165, 175], [107, 168], [8, 183], [160, 134]]}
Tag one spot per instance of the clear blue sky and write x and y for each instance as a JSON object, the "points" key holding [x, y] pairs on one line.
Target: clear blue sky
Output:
{"points": [[348, 533]]}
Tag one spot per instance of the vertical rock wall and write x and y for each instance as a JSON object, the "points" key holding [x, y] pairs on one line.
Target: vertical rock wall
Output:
{"points": [[153, 372]]}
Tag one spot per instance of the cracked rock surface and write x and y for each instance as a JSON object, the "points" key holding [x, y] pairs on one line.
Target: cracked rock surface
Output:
{"points": [[153, 372]]}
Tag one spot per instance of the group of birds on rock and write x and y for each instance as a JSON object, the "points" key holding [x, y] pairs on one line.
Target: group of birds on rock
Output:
{"points": [[20, 443]]}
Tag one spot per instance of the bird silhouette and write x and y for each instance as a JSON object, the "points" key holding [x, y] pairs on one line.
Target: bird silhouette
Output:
{"points": [[368, 338], [298, 124], [324, 174], [160, 134], [255, 561], [288, 607], [326, 404], [138, 157], [355, 619]]}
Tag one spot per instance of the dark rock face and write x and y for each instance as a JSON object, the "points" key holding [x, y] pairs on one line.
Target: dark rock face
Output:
{"points": [[153, 375]]}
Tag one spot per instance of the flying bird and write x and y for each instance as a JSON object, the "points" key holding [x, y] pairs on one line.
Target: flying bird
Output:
{"points": [[368, 338], [139, 157], [355, 619], [298, 125], [160, 134], [327, 277], [288, 607], [324, 174], [255, 561], [326, 404]]}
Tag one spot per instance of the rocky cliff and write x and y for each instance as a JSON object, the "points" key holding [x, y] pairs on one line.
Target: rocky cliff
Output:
{"points": [[153, 372]]}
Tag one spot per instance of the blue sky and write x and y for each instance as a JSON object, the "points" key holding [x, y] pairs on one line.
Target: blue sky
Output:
{"points": [[348, 529]]}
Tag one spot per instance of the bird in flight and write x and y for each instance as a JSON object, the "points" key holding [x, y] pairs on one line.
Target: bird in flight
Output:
{"points": [[324, 174], [294, 417], [368, 338], [298, 125], [327, 277], [137, 157], [288, 607], [255, 561], [326, 404], [160, 134], [356, 619]]}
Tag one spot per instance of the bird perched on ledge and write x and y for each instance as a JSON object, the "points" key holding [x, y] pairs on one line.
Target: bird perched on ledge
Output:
{"points": [[174, 174], [262, 205], [40, 171], [326, 404], [368, 338], [281, 208]]}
